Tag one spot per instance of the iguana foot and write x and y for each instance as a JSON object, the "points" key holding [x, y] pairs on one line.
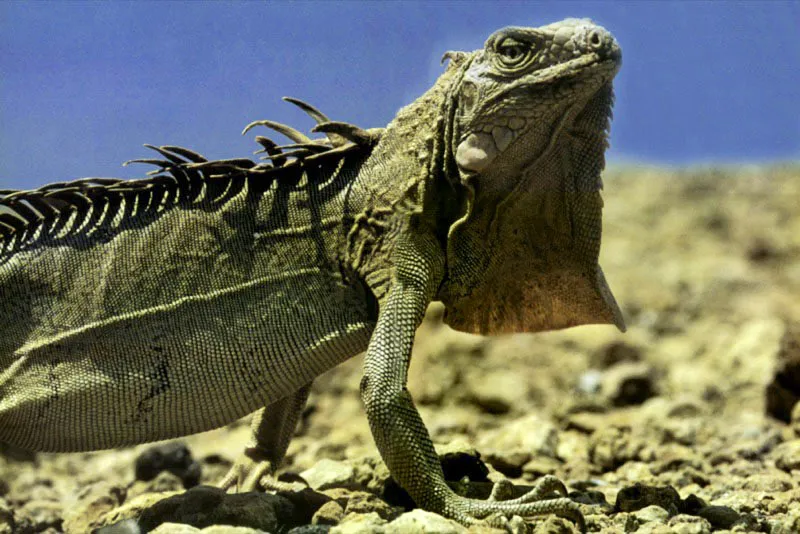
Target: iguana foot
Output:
{"points": [[497, 510], [247, 474]]}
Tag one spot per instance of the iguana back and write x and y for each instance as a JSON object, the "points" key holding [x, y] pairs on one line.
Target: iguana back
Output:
{"points": [[190, 299]]}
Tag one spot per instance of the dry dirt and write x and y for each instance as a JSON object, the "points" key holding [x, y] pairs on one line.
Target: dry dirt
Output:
{"points": [[694, 403]]}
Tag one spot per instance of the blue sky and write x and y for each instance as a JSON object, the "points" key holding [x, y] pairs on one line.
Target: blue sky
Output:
{"points": [[83, 85]]}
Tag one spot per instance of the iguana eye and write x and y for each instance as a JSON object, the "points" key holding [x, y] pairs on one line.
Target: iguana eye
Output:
{"points": [[513, 53]]}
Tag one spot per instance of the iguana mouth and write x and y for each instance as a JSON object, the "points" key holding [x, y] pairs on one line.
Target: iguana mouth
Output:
{"points": [[476, 151]]}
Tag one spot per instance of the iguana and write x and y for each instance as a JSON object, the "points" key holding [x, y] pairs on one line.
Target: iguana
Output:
{"points": [[140, 310]]}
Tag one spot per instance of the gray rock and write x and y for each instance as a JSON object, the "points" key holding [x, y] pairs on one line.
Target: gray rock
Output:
{"points": [[327, 474], [787, 456], [93, 503], [38, 516], [361, 502], [789, 525], [531, 435], [689, 524], [162, 483], [795, 419], [772, 482], [227, 529], [174, 528], [330, 513], [126, 526], [590, 382], [651, 513], [421, 522], [497, 392], [370, 523]]}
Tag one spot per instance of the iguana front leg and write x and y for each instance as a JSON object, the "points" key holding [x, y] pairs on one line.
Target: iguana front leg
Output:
{"points": [[398, 430], [272, 429]]}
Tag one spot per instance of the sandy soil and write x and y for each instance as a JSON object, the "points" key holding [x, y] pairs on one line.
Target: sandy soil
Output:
{"points": [[695, 403]]}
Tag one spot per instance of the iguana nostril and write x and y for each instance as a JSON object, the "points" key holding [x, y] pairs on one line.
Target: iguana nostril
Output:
{"points": [[595, 39]]}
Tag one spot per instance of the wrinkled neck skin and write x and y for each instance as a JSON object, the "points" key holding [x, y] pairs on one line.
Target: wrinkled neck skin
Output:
{"points": [[403, 180], [523, 255]]}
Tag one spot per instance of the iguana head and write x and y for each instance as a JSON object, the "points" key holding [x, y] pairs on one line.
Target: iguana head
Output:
{"points": [[529, 122]]}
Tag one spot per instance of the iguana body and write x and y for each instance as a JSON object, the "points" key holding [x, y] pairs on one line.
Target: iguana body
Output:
{"points": [[133, 311]]}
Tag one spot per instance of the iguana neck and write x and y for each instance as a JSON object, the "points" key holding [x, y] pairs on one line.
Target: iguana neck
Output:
{"points": [[405, 177]]}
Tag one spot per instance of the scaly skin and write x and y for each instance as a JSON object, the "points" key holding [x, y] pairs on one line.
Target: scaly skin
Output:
{"points": [[143, 310]]}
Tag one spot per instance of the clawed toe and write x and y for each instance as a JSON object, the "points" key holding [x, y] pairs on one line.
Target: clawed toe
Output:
{"points": [[548, 496], [245, 476], [502, 490], [248, 475], [561, 507]]}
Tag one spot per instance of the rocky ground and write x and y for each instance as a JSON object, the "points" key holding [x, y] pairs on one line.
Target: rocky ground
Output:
{"points": [[687, 423]]}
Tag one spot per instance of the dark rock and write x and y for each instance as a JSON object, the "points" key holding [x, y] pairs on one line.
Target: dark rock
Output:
{"points": [[174, 457], [692, 505], [12, 452], [720, 517], [640, 496], [762, 250], [628, 384], [508, 464], [396, 496], [783, 392], [310, 529], [7, 523], [305, 503], [590, 497], [457, 465], [615, 353], [203, 506]]}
